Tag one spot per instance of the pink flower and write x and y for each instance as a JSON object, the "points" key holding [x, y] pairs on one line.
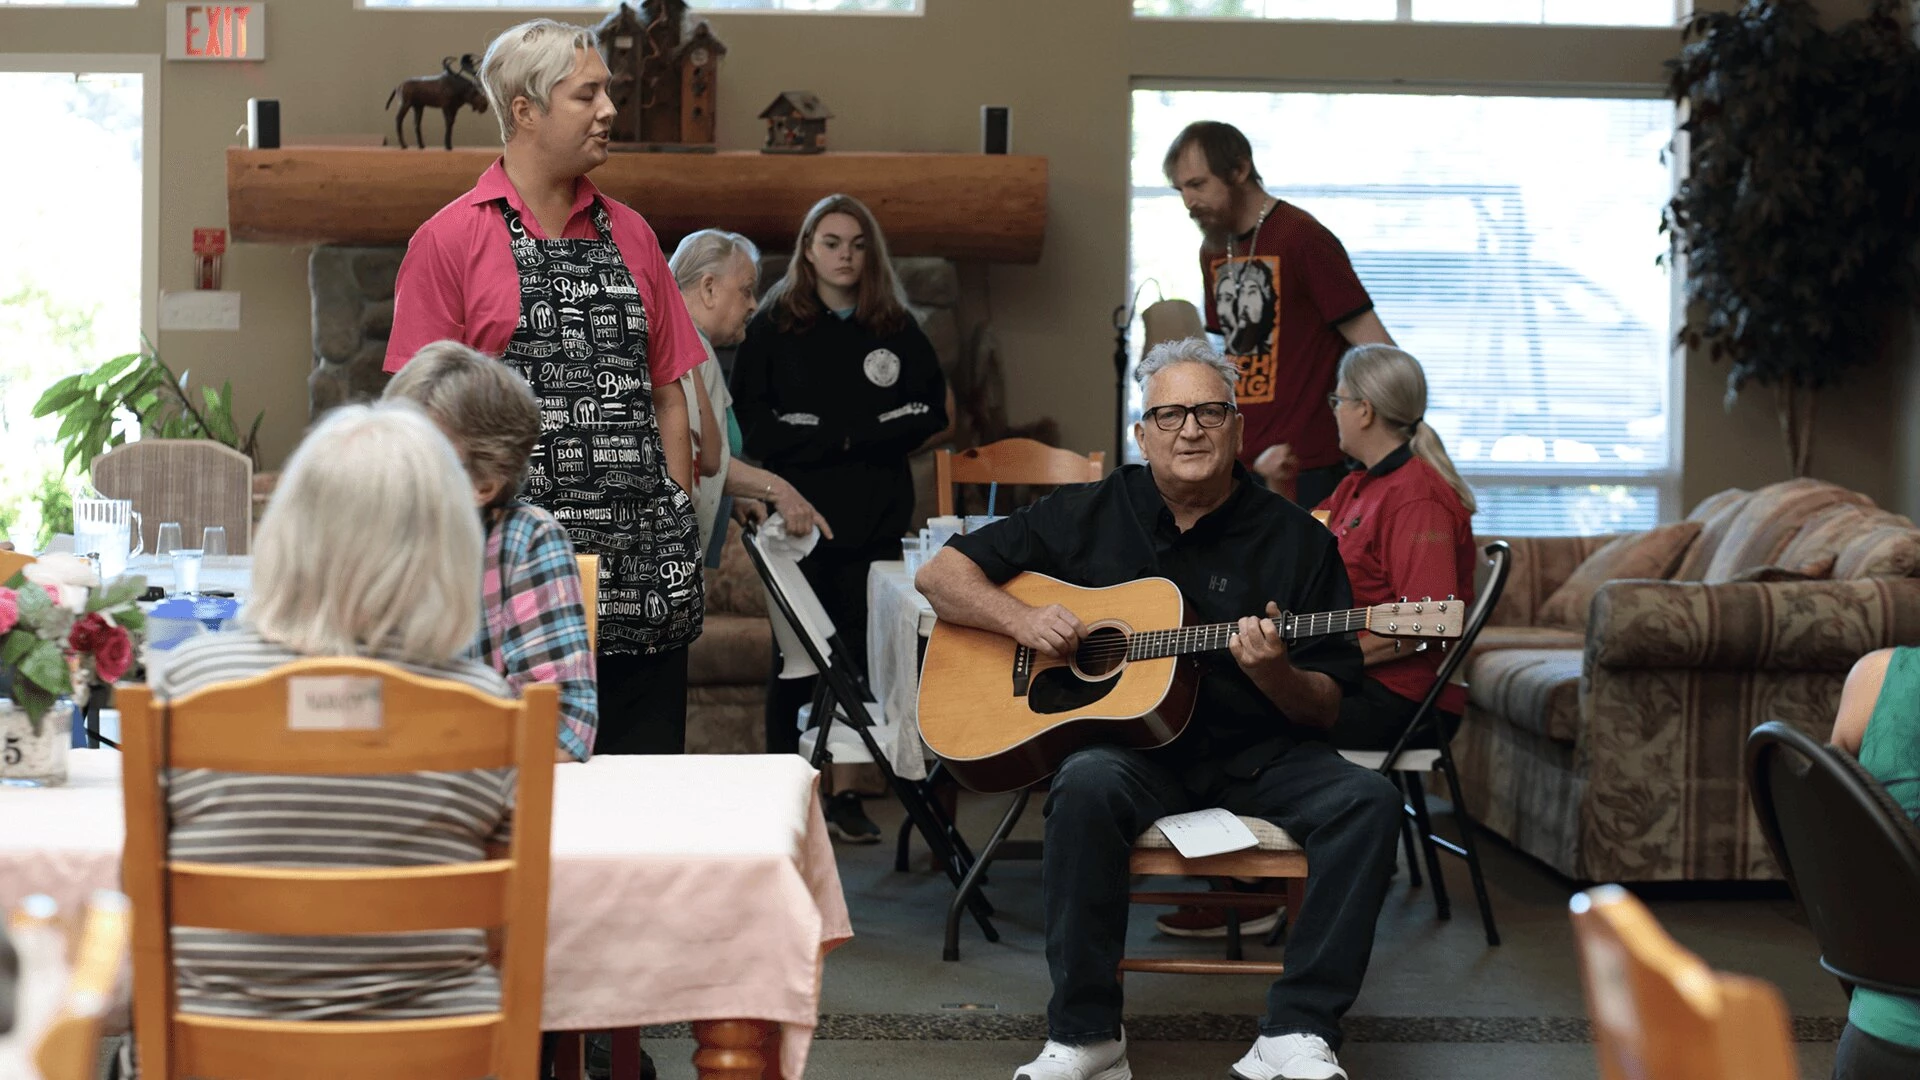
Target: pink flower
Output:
{"points": [[9, 609], [113, 654]]}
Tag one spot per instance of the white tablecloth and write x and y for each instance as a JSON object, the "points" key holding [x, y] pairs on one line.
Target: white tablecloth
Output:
{"points": [[898, 619], [230, 573], [684, 888]]}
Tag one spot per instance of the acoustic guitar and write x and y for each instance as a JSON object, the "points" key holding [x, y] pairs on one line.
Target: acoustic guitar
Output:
{"points": [[1002, 716]]}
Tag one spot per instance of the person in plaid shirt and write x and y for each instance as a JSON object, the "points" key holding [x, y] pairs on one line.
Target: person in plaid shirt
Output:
{"points": [[533, 626]]}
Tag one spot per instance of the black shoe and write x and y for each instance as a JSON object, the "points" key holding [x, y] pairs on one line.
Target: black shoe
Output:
{"points": [[600, 1059], [847, 821]]}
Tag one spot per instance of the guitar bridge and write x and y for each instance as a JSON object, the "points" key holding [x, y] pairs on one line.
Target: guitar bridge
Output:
{"points": [[1022, 670]]}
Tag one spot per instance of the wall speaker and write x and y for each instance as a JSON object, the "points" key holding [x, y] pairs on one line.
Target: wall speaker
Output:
{"points": [[263, 124], [996, 129]]}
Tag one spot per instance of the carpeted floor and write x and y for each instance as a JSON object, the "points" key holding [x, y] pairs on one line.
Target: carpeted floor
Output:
{"points": [[1438, 1003]]}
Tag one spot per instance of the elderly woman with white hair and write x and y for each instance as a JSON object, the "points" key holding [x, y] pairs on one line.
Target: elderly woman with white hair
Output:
{"points": [[716, 271], [370, 548], [537, 266]]}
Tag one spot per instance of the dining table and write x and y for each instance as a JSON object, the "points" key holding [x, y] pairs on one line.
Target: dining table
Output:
{"points": [[696, 888], [899, 621]]}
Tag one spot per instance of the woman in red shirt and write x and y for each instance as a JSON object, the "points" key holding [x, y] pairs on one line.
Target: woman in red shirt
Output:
{"points": [[1404, 523]]}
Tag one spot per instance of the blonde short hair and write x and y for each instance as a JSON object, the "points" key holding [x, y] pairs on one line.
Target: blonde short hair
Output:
{"points": [[527, 61], [371, 546], [482, 404]]}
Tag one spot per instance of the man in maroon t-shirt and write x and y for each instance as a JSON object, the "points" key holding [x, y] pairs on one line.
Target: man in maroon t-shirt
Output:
{"points": [[1285, 300]]}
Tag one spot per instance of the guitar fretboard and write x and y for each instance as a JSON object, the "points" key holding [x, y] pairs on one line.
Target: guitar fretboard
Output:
{"points": [[1149, 644]]}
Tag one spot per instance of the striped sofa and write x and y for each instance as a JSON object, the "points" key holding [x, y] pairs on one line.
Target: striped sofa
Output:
{"points": [[1614, 753]]}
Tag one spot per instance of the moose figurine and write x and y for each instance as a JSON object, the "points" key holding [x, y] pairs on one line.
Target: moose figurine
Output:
{"points": [[447, 91]]}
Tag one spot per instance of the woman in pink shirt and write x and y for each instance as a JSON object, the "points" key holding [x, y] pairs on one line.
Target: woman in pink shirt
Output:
{"points": [[570, 289]]}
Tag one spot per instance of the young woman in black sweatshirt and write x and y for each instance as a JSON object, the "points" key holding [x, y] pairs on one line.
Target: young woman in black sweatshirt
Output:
{"points": [[834, 386]]}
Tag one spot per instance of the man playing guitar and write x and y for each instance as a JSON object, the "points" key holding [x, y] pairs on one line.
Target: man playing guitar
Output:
{"points": [[1256, 744]]}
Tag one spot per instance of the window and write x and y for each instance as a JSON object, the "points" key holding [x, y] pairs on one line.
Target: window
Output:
{"points": [[75, 288], [884, 7], [1538, 12], [1508, 243]]}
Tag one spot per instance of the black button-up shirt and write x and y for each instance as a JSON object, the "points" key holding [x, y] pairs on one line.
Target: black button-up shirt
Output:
{"points": [[1253, 548]]}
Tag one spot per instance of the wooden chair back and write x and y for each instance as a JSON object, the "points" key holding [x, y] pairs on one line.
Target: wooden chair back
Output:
{"points": [[195, 482], [289, 721], [69, 1049], [1011, 461], [11, 563], [590, 594], [1660, 1013]]}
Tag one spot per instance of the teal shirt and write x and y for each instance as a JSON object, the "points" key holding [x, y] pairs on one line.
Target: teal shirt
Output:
{"points": [[1890, 750]]}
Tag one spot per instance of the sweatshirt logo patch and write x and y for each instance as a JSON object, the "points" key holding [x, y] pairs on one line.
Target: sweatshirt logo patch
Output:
{"points": [[882, 367], [911, 408], [799, 419]]}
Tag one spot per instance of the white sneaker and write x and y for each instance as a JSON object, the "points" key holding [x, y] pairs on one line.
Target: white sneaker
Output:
{"points": [[1096, 1061], [1290, 1057]]}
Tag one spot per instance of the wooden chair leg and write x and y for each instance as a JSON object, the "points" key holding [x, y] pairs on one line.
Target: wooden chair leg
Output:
{"points": [[626, 1053], [569, 1055], [733, 1049]]}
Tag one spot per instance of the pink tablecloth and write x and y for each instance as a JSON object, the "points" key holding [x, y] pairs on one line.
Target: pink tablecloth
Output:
{"points": [[684, 888]]}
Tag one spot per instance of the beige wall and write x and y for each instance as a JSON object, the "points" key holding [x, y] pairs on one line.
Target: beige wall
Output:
{"points": [[1064, 66]]}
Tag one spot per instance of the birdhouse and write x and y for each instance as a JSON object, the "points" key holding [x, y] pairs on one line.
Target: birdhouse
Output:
{"points": [[664, 88], [796, 123], [699, 60]]}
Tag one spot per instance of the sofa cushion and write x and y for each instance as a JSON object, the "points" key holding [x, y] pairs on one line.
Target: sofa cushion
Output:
{"points": [[1887, 549], [733, 588], [1818, 570], [1715, 515], [1527, 637], [1651, 554], [1534, 689], [1540, 565], [1769, 520], [731, 650]]}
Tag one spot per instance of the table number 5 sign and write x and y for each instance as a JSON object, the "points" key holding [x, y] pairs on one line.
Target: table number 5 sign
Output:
{"points": [[333, 703]]}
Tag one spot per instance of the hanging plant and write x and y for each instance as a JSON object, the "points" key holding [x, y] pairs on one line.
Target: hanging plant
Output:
{"points": [[1797, 217]]}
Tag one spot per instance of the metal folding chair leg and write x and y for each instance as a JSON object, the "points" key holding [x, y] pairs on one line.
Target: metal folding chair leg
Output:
{"points": [[969, 887], [1424, 821], [1406, 832], [1471, 849]]}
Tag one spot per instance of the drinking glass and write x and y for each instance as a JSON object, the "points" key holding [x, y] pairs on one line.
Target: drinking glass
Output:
{"points": [[168, 541], [213, 541], [186, 571]]}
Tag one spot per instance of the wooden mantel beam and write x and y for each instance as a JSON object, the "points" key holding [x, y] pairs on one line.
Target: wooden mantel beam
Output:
{"points": [[963, 206]]}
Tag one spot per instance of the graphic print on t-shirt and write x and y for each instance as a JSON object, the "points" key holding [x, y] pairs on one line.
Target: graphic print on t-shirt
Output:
{"points": [[1248, 307]]}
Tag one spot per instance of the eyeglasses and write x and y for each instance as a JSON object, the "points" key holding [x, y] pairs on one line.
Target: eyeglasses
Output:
{"points": [[1334, 400], [1210, 414]]}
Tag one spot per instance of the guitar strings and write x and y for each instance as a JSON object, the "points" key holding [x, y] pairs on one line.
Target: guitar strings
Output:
{"points": [[1190, 638]]}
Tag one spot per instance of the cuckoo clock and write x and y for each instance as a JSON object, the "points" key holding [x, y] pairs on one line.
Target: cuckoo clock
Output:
{"points": [[796, 124]]}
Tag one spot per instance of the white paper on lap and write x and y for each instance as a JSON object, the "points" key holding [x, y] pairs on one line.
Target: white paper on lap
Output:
{"points": [[1200, 833]]}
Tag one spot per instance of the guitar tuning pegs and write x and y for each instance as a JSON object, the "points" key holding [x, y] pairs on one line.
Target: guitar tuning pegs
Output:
{"points": [[1450, 596]]}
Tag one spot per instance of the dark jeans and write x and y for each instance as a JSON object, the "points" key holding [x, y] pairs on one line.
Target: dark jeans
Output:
{"points": [[1104, 797], [1866, 1057], [1374, 718], [643, 703], [838, 577]]}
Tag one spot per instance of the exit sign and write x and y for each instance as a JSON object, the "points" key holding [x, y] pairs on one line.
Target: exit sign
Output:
{"points": [[216, 31]]}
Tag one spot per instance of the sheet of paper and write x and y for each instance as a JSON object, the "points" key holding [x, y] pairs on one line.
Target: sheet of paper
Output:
{"points": [[1201, 833]]}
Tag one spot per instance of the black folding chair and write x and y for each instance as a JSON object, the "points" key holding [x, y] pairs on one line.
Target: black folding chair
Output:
{"points": [[841, 694], [1848, 850], [1404, 766]]}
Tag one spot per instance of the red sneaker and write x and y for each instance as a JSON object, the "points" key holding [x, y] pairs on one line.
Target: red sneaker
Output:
{"points": [[1211, 922]]}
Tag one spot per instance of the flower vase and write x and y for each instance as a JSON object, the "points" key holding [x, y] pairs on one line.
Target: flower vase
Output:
{"points": [[35, 759]]}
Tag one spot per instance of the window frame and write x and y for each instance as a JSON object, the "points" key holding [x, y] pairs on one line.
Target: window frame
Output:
{"points": [[599, 7], [1665, 481], [149, 67], [1403, 16]]}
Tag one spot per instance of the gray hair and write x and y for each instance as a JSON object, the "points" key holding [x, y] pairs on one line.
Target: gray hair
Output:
{"points": [[708, 251], [1191, 350], [1392, 381], [371, 546], [484, 406], [527, 61]]}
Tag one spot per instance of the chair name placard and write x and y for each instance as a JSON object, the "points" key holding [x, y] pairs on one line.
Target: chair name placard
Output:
{"points": [[333, 703]]}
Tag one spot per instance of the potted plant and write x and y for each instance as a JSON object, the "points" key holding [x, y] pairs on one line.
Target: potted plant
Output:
{"points": [[1797, 217], [61, 636], [89, 406]]}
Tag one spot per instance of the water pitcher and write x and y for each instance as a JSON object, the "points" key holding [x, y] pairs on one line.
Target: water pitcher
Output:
{"points": [[108, 528]]}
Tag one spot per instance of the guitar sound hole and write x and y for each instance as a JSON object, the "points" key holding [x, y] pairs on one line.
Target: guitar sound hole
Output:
{"points": [[1101, 652]]}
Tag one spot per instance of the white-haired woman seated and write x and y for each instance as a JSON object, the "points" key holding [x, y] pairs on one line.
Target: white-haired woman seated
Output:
{"points": [[533, 626], [370, 548]]}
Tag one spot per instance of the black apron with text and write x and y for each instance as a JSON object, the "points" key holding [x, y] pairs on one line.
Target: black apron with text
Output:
{"points": [[599, 468]]}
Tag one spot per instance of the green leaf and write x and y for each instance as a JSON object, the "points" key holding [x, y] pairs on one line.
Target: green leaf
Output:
{"points": [[34, 700], [218, 420], [106, 372], [122, 590], [133, 619], [15, 645], [59, 396], [44, 667], [33, 604]]}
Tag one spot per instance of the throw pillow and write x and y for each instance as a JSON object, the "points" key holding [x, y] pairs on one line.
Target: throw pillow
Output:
{"points": [[1651, 554], [1818, 570]]}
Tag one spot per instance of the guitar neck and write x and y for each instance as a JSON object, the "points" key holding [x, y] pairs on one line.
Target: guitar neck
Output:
{"points": [[1147, 645]]}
